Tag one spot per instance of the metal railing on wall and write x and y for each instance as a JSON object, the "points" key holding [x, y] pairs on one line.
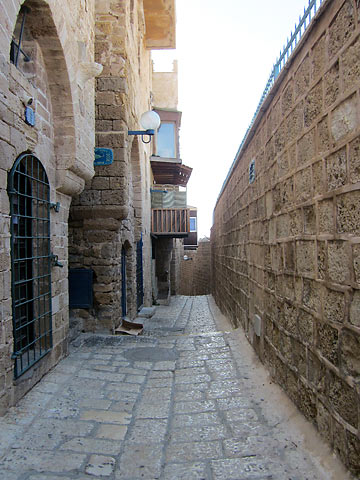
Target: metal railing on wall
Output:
{"points": [[285, 53]]}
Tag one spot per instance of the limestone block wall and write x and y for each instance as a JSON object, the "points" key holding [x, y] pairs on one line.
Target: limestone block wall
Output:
{"points": [[165, 88], [58, 38], [285, 249], [113, 211], [196, 271], [176, 258]]}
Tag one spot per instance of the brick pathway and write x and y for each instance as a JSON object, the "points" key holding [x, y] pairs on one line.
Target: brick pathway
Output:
{"points": [[182, 401]]}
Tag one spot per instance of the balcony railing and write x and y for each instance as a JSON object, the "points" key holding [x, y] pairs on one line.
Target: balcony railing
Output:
{"points": [[166, 198], [171, 222]]}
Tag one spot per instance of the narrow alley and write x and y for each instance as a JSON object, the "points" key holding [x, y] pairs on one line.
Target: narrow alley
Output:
{"points": [[186, 400]]}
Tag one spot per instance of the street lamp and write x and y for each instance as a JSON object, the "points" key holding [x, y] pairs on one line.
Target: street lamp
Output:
{"points": [[150, 121]]}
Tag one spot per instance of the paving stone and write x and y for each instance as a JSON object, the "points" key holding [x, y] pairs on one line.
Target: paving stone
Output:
{"points": [[111, 432], [98, 362], [139, 379], [250, 446], [48, 433], [185, 379], [100, 466], [164, 366], [240, 429], [189, 395], [150, 410], [145, 430], [155, 395], [190, 471], [22, 461], [123, 406], [161, 374], [38, 476], [92, 445], [105, 368], [108, 376], [196, 387], [191, 371], [122, 396], [240, 469], [184, 363], [207, 418], [194, 407], [97, 403], [243, 415], [189, 452], [63, 407], [9, 434], [235, 402], [159, 382], [123, 387], [129, 370], [199, 433], [140, 461], [106, 416]]}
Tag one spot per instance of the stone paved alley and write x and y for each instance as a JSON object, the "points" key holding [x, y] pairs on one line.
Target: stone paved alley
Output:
{"points": [[186, 400]]}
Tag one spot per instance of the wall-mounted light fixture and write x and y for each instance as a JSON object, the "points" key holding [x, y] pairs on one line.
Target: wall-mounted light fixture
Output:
{"points": [[150, 121]]}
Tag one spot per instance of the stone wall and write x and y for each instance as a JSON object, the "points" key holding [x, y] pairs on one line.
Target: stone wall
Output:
{"points": [[113, 211], [286, 248], [58, 38], [196, 271]]}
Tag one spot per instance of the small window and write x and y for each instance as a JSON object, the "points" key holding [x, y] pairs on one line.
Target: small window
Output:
{"points": [[192, 224], [166, 140]]}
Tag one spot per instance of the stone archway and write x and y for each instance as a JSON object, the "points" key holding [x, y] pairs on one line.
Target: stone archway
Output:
{"points": [[41, 24], [44, 35]]}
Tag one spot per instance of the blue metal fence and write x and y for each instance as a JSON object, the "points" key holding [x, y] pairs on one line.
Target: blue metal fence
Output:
{"points": [[285, 53]]}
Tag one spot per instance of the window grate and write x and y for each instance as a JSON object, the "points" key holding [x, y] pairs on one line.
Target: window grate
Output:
{"points": [[29, 193], [16, 49]]}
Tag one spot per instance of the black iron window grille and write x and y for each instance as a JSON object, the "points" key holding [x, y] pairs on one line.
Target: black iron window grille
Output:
{"points": [[16, 49], [29, 193]]}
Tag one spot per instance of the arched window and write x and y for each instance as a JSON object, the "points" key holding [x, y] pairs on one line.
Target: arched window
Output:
{"points": [[29, 193]]}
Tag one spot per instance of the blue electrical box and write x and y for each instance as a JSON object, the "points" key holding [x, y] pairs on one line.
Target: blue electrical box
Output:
{"points": [[80, 288]]}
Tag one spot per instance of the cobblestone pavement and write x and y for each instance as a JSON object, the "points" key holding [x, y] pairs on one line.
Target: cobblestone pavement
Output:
{"points": [[182, 401]]}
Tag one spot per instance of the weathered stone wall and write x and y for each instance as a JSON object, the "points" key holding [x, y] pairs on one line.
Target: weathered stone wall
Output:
{"points": [[165, 88], [113, 210], [196, 272], [58, 37], [286, 248], [187, 273], [175, 266]]}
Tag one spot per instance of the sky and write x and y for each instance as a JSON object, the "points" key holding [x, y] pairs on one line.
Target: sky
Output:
{"points": [[225, 52]]}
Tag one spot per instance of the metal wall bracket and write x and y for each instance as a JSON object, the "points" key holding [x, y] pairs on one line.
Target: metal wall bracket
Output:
{"points": [[55, 261], [55, 206]]}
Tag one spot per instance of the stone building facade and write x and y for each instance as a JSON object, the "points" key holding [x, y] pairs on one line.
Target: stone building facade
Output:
{"points": [[286, 247], [45, 159], [53, 200], [170, 214]]}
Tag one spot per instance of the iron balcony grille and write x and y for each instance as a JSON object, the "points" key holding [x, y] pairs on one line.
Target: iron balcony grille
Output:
{"points": [[29, 194]]}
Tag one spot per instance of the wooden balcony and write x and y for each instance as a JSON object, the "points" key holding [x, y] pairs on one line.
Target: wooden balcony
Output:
{"points": [[170, 222]]}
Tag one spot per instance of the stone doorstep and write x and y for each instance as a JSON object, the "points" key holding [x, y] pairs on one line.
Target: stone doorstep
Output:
{"points": [[146, 312]]}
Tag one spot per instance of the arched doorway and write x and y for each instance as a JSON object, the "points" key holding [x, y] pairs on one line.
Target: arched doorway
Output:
{"points": [[29, 194]]}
